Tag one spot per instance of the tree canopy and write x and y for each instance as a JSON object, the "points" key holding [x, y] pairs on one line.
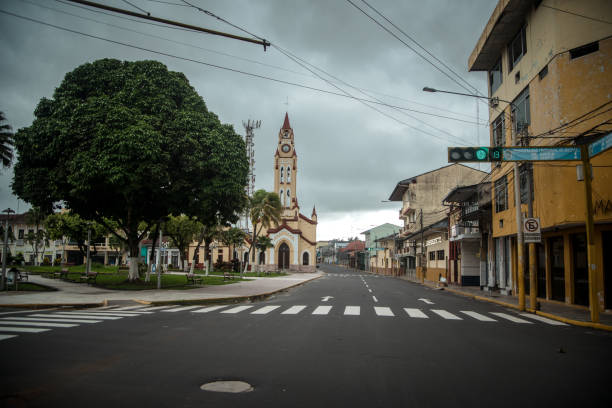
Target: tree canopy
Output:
{"points": [[129, 142]]}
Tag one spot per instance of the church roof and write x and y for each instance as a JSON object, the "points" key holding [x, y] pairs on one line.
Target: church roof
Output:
{"points": [[286, 124]]}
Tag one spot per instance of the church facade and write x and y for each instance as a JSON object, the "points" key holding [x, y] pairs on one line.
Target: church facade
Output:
{"points": [[295, 238]]}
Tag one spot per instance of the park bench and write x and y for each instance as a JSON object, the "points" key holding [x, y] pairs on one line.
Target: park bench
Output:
{"points": [[21, 276], [227, 275], [193, 279], [89, 278]]}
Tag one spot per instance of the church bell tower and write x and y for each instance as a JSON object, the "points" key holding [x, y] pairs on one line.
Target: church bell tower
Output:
{"points": [[285, 170]]}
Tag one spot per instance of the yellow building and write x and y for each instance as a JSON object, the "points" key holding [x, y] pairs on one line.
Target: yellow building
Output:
{"points": [[556, 69], [295, 238]]}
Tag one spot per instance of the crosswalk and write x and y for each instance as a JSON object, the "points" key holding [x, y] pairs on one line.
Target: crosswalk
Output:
{"points": [[13, 326]]}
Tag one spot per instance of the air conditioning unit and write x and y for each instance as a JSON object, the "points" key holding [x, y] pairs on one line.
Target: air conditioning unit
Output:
{"points": [[494, 102]]}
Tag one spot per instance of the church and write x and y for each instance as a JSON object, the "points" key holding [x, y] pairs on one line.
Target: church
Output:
{"points": [[295, 238]]}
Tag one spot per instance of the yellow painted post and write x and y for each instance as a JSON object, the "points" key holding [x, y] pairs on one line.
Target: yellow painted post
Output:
{"points": [[519, 241], [591, 263], [533, 289]]}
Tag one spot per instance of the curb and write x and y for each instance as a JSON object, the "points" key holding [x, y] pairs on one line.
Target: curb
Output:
{"points": [[234, 299], [592, 325]]}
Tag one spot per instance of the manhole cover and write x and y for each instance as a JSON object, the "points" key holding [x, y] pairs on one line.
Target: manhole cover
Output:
{"points": [[227, 386]]}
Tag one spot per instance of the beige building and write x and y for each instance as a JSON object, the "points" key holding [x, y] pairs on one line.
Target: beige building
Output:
{"points": [[555, 67], [295, 238], [422, 207]]}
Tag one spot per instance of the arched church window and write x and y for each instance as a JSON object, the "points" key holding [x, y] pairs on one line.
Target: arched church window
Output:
{"points": [[305, 259], [282, 198], [282, 174], [288, 174], [288, 198]]}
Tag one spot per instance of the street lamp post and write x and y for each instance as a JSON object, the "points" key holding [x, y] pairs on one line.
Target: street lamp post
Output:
{"points": [[88, 265], [517, 205], [8, 212]]}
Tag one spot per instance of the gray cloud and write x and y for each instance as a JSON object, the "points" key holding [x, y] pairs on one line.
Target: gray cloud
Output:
{"points": [[350, 156]]}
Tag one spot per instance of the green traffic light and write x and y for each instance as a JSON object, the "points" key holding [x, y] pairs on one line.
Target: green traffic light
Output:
{"points": [[482, 153]]}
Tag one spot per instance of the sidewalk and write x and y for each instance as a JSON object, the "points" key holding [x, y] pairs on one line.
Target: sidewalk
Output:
{"points": [[571, 314], [80, 294]]}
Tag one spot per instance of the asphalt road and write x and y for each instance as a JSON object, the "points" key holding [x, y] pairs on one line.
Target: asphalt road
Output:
{"points": [[360, 340]]}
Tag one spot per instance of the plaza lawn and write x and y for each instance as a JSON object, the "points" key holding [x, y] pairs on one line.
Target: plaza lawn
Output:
{"points": [[31, 287], [248, 274], [95, 267]]}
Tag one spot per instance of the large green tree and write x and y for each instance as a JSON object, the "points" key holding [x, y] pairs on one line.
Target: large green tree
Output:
{"points": [[72, 226], [125, 141], [181, 230]]}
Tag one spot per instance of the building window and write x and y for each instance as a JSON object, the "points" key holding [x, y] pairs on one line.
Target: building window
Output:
{"points": [[584, 50], [499, 130], [412, 216], [282, 174], [525, 171], [288, 174], [262, 258], [501, 194], [517, 48], [305, 258], [432, 256], [20, 234], [495, 76], [282, 197], [288, 198], [521, 115], [440, 254]]}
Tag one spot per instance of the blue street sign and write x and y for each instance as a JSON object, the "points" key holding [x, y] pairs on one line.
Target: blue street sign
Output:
{"points": [[540, 153], [600, 145]]}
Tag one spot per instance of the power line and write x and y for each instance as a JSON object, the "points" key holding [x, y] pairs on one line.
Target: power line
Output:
{"points": [[206, 63], [136, 7]]}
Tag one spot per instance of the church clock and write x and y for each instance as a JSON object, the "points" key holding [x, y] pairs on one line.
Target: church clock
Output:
{"points": [[286, 148]]}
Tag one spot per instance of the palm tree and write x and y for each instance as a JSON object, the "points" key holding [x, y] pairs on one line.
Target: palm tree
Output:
{"points": [[265, 210], [6, 142]]}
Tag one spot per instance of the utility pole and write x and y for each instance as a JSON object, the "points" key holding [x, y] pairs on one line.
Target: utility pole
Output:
{"points": [[591, 265], [423, 257], [249, 126], [158, 259], [8, 212], [533, 283], [88, 264], [519, 226]]}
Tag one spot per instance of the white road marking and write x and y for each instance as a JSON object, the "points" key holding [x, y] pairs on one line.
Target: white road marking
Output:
{"points": [[370, 290], [511, 318], [76, 316], [237, 309], [374, 297], [294, 310], [416, 313], [37, 324], [6, 336], [322, 310], [478, 316], [180, 309], [208, 309], [326, 298], [158, 308], [120, 314], [445, 314], [105, 307], [383, 311], [41, 319], [265, 310], [21, 329], [130, 308], [352, 310], [429, 302], [544, 319]]}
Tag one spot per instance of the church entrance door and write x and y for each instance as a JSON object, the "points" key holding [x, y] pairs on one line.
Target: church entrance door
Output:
{"points": [[283, 256]]}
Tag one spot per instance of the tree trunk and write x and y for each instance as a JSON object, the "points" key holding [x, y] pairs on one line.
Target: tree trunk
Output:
{"points": [[133, 261], [206, 255], [152, 255], [197, 248]]}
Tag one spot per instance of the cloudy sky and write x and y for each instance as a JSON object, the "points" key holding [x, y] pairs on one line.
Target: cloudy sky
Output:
{"points": [[350, 155]]}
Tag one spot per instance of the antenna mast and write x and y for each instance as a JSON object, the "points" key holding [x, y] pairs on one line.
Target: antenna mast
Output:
{"points": [[249, 126]]}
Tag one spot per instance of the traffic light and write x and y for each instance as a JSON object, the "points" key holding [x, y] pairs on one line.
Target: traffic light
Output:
{"points": [[474, 154]]}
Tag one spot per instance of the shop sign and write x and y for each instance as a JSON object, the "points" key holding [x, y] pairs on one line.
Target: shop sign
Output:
{"points": [[433, 241]]}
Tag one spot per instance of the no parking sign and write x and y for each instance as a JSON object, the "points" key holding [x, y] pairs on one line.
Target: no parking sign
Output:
{"points": [[531, 230]]}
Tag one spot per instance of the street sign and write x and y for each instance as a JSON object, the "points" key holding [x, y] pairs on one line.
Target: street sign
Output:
{"points": [[600, 145], [540, 153], [531, 230]]}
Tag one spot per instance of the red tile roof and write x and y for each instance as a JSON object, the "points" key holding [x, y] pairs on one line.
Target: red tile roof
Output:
{"points": [[354, 246], [286, 124]]}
